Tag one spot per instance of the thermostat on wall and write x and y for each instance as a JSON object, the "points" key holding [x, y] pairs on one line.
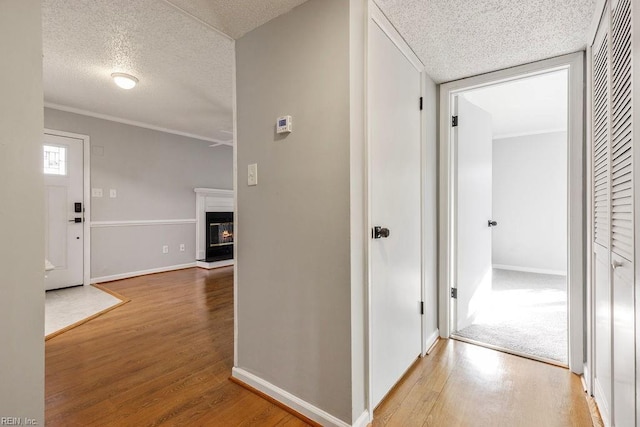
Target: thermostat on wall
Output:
{"points": [[284, 125]]}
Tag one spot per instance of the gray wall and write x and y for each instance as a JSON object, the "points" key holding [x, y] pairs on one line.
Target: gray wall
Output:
{"points": [[293, 264], [530, 202], [154, 174], [21, 212]]}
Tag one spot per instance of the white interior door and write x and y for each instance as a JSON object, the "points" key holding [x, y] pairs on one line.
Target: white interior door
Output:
{"points": [[394, 176], [473, 210], [64, 236]]}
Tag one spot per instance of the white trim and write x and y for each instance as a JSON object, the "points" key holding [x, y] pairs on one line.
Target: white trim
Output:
{"points": [[574, 63], [131, 122], [200, 21], [599, 11], [530, 133], [589, 282], [214, 192], [376, 15], [529, 269], [431, 340], [423, 215], [141, 222], [141, 273], [303, 407], [86, 190], [234, 106], [214, 264], [363, 420]]}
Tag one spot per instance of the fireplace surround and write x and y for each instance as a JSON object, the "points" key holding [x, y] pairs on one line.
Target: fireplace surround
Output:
{"points": [[217, 206]]}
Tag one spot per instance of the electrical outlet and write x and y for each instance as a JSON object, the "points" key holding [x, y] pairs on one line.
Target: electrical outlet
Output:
{"points": [[165, 249], [96, 192], [181, 247]]}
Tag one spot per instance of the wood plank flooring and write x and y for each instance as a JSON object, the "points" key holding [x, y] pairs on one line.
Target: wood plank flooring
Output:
{"points": [[162, 359], [462, 384], [165, 358]]}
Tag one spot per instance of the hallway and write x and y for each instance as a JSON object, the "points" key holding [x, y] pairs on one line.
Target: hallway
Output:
{"points": [[462, 384], [165, 358]]}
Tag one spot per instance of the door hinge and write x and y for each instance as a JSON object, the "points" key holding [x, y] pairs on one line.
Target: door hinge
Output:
{"points": [[454, 121], [420, 103], [421, 307], [454, 293]]}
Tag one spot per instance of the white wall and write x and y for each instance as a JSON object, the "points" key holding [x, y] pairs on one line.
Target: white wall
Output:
{"points": [[154, 174], [530, 202], [293, 237], [21, 212]]}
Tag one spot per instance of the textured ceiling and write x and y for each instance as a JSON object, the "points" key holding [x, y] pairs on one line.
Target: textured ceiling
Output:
{"points": [[461, 38], [533, 105], [237, 17], [184, 64]]}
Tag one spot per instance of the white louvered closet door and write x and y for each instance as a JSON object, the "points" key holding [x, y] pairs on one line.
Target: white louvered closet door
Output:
{"points": [[613, 217], [601, 220], [622, 224]]}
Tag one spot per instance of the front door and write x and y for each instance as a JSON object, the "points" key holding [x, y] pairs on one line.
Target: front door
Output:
{"points": [[394, 176], [473, 152], [64, 210]]}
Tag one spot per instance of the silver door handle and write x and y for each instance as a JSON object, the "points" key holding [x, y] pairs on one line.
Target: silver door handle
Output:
{"points": [[616, 264], [76, 220]]}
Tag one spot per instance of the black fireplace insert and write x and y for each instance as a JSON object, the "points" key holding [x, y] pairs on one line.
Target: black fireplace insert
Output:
{"points": [[219, 236]]}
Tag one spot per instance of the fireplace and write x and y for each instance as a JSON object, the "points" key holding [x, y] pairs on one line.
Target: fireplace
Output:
{"points": [[214, 227], [219, 236]]}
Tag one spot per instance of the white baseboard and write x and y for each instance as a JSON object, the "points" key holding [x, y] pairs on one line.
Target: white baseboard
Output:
{"points": [[363, 420], [128, 275], [529, 269], [305, 408], [431, 341], [215, 264]]}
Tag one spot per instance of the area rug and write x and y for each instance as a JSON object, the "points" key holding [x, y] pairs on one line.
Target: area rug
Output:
{"points": [[70, 307]]}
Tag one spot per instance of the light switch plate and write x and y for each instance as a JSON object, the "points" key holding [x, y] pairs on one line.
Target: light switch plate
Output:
{"points": [[96, 192], [113, 193], [252, 174]]}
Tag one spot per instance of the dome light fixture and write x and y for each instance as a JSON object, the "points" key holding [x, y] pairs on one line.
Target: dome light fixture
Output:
{"points": [[125, 81]]}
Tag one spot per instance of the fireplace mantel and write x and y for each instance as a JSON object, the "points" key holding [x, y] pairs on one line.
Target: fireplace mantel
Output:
{"points": [[210, 200]]}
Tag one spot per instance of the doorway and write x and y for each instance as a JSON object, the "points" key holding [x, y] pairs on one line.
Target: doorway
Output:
{"points": [[511, 216], [499, 285]]}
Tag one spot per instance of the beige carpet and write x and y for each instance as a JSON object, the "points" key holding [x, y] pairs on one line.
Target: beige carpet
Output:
{"points": [[527, 313]]}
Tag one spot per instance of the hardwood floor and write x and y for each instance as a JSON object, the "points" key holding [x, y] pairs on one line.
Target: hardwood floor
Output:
{"points": [[164, 358], [462, 384]]}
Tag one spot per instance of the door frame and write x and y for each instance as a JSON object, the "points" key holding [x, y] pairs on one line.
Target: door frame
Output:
{"points": [[574, 64], [86, 187], [377, 18]]}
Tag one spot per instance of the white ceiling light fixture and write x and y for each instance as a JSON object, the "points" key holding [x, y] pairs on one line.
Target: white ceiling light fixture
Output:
{"points": [[125, 81]]}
